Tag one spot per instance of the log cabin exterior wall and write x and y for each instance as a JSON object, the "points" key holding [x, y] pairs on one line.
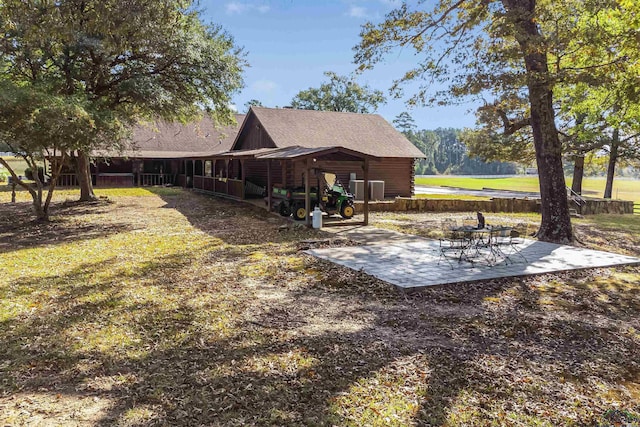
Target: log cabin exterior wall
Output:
{"points": [[397, 174], [256, 171]]}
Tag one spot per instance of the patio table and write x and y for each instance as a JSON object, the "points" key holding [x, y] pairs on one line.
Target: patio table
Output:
{"points": [[484, 242]]}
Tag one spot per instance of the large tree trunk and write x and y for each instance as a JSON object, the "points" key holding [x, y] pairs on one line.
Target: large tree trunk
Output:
{"points": [[39, 207], [83, 172], [613, 159], [578, 173], [556, 221]]}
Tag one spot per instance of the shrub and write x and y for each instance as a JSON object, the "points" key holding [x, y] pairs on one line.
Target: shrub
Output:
{"points": [[28, 172]]}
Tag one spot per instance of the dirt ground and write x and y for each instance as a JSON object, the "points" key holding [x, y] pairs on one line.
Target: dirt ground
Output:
{"points": [[180, 309]]}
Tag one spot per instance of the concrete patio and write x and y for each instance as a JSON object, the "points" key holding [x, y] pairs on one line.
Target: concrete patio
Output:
{"points": [[411, 262]]}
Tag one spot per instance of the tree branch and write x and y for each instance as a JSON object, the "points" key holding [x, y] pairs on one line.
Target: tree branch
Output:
{"points": [[432, 24], [629, 138], [511, 127]]}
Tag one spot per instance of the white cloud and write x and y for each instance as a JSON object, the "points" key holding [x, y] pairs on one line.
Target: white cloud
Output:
{"points": [[392, 3], [357, 11], [264, 86], [238, 7], [235, 7]]}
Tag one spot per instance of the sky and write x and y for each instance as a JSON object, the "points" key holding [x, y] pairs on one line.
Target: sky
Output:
{"points": [[289, 44]]}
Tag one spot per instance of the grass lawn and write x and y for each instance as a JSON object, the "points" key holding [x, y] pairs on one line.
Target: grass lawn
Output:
{"points": [[166, 307], [16, 163], [624, 189], [451, 196]]}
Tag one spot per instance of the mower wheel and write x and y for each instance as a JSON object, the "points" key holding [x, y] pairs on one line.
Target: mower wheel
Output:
{"points": [[299, 213], [283, 209], [347, 210]]}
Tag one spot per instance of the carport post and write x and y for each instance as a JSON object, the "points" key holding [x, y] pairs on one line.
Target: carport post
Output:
{"points": [[184, 183], [227, 180], [307, 194], [269, 186], [242, 177], [366, 191]]}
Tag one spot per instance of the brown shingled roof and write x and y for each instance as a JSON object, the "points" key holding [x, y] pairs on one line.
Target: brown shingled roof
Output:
{"points": [[173, 140], [366, 133]]}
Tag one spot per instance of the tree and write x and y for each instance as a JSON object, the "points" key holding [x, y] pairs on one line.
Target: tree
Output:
{"points": [[604, 103], [404, 123], [504, 49], [595, 91], [492, 146], [36, 125], [340, 93], [620, 147], [251, 103], [608, 119], [133, 60], [445, 153]]}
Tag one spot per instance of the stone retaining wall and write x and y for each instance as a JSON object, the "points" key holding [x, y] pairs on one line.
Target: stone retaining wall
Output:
{"points": [[602, 206], [404, 204]]}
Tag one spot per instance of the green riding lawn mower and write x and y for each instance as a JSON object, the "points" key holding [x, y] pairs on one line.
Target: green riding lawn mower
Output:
{"points": [[333, 199]]}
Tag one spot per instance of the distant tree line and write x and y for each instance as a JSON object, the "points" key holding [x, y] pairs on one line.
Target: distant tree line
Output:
{"points": [[446, 153]]}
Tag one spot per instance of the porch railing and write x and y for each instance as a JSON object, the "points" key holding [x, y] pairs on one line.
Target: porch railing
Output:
{"points": [[151, 179], [145, 179], [228, 186], [67, 180], [114, 179], [235, 188]]}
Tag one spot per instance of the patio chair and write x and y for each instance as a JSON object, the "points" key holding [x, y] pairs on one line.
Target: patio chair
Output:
{"points": [[499, 240], [453, 243], [518, 235], [506, 241]]}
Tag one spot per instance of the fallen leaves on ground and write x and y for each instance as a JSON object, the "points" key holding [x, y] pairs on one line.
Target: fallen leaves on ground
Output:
{"points": [[181, 309]]}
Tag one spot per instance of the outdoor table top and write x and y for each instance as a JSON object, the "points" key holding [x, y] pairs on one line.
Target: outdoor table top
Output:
{"points": [[487, 229]]}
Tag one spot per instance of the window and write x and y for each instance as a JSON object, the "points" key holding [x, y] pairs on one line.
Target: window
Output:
{"points": [[207, 168]]}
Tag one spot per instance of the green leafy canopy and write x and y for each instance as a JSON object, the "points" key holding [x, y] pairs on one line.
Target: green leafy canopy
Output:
{"points": [[340, 93], [109, 64], [138, 59]]}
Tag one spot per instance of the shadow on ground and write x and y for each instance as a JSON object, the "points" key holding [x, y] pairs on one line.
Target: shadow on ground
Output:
{"points": [[18, 230], [221, 337]]}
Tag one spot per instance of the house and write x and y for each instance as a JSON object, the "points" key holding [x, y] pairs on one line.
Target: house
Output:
{"points": [[267, 147], [276, 144], [154, 155]]}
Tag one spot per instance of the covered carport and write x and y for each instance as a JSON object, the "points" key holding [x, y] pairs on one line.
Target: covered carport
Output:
{"points": [[288, 167], [311, 161]]}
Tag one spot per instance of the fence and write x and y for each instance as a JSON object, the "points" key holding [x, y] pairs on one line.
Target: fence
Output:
{"points": [[636, 208]]}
